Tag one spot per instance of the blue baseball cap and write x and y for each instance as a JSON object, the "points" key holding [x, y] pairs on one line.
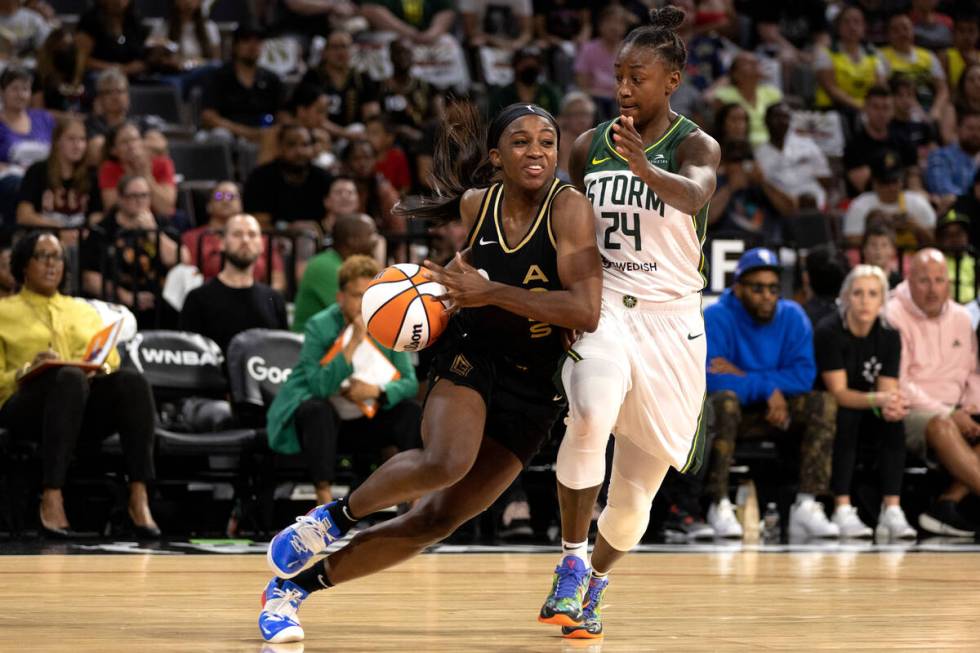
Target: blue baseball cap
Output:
{"points": [[757, 258]]}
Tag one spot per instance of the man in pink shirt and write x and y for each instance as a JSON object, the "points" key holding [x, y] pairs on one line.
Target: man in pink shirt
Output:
{"points": [[938, 374]]}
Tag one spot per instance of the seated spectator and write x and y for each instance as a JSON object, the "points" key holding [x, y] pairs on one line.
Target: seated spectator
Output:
{"points": [[901, 55], [745, 202], [58, 81], [342, 199], [966, 32], [745, 88], [528, 87], [234, 301], [306, 107], [953, 239], [242, 97], [966, 99], [502, 26], [823, 274], [951, 169], [731, 123], [705, 49], [408, 100], [126, 258], [353, 234], [576, 117], [392, 162], [932, 29], [760, 376], [24, 29], [858, 358], [792, 162], [289, 189], [63, 407], [377, 195], [938, 375], [109, 111], [25, 133], [63, 190], [184, 45], [908, 212], [204, 244], [316, 411], [561, 28], [911, 127], [876, 136], [424, 23], [127, 153], [969, 204], [352, 96], [8, 285], [849, 68], [878, 247], [595, 62], [111, 35]]}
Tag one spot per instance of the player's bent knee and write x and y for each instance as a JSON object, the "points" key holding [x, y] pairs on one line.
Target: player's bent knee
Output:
{"points": [[442, 470], [623, 528]]}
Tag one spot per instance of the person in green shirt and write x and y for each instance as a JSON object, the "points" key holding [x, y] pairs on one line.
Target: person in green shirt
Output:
{"points": [[353, 234], [302, 418]]}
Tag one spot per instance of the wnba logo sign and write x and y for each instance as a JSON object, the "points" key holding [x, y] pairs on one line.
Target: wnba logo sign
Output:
{"points": [[416, 340]]}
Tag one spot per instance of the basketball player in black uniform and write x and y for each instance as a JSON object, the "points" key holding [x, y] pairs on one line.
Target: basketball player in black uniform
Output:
{"points": [[531, 268]]}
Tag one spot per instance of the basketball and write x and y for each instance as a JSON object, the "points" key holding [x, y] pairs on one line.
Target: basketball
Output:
{"points": [[400, 308]]}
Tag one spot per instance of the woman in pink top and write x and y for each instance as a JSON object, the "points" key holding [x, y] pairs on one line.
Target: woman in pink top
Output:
{"points": [[594, 69]]}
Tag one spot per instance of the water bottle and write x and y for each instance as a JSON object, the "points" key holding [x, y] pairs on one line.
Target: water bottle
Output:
{"points": [[770, 524]]}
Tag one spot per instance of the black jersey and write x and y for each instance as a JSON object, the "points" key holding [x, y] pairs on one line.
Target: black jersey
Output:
{"points": [[532, 264]]}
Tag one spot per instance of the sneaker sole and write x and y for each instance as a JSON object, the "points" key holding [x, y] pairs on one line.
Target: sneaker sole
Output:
{"points": [[936, 527], [286, 635], [581, 633], [559, 620], [884, 535]]}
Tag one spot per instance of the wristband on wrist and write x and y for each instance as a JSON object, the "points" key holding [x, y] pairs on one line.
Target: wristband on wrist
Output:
{"points": [[872, 398]]}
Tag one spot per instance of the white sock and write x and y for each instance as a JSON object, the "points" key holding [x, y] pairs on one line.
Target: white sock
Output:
{"points": [[578, 549], [599, 574], [803, 496]]}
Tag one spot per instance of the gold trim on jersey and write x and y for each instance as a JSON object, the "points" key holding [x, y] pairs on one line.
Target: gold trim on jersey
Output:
{"points": [[545, 205], [612, 148], [484, 204], [551, 233]]}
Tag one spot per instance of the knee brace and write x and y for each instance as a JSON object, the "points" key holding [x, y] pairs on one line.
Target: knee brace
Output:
{"points": [[636, 477], [595, 392]]}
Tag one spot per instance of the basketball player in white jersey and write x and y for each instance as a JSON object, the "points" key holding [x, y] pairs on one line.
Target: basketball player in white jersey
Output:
{"points": [[641, 375]]}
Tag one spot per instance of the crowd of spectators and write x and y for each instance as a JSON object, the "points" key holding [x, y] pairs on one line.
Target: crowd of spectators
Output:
{"points": [[861, 116]]}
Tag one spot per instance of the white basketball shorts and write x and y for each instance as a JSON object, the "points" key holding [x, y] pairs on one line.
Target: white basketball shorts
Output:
{"points": [[661, 349]]}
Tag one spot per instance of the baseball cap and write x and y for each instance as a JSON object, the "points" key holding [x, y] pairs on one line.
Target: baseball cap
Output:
{"points": [[757, 258], [887, 167], [953, 217]]}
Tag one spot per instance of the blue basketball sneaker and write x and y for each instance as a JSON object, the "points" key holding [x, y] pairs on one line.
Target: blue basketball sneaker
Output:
{"points": [[564, 606], [591, 627], [278, 620], [295, 547]]}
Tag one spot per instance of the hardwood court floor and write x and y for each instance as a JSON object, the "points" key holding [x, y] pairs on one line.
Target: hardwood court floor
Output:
{"points": [[487, 602]]}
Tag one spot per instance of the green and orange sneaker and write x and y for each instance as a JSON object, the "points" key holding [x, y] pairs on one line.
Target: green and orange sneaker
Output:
{"points": [[564, 605], [591, 626]]}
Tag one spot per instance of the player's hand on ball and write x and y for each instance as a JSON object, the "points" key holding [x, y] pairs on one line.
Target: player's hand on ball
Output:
{"points": [[465, 286], [629, 143]]}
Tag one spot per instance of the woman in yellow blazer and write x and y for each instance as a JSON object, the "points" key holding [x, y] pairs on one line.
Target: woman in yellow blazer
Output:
{"points": [[63, 404]]}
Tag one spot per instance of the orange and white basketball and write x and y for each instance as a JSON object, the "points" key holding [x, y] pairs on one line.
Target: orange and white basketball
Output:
{"points": [[400, 308]]}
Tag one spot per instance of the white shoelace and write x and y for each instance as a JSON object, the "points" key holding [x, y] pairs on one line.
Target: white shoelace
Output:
{"points": [[309, 535], [281, 606]]}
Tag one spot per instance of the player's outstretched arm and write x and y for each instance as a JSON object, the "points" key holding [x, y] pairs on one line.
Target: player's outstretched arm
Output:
{"points": [[690, 188], [579, 269]]}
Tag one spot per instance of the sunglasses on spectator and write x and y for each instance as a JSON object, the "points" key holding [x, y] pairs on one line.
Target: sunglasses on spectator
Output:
{"points": [[137, 196], [48, 257], [759, 288], [220, 196]]}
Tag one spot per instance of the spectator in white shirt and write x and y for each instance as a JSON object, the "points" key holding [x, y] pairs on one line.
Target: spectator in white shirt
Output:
{"points": [[792, 162]]}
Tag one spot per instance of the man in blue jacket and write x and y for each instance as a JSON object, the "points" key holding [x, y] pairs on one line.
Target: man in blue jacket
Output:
{"points": [[760, 380]]}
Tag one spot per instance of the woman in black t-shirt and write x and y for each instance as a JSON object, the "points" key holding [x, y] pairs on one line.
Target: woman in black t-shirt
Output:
{"points": [[62, 190], [858, 358]]}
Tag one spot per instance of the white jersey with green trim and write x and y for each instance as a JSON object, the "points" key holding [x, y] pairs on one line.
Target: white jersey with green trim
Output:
{"points": [[650, 250]]}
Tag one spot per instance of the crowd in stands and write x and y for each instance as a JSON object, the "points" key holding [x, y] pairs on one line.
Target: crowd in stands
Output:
{"points": [[222, 165]]}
